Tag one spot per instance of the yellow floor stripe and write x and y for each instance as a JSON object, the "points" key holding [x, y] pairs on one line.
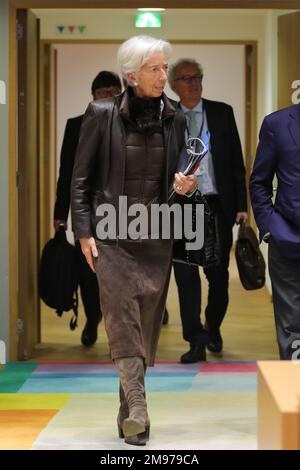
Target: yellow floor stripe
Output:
{"points": [[34, 401]]}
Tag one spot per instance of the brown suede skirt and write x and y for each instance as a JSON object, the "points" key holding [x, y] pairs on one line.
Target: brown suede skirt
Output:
{"points": [[133, 279]]}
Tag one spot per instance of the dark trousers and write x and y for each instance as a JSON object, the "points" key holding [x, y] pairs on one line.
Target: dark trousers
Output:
{"points": [[189, 287], [88, 288], [285, 278]]}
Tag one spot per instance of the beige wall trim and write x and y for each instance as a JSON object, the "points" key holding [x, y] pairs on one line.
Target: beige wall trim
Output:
{"points": [[240, 4], [172, 41]]}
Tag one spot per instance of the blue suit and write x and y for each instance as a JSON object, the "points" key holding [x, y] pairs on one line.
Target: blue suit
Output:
{"points": [[278, 153]]}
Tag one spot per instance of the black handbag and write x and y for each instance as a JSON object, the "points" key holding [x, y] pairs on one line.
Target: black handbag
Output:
{"points": [[209, 255], [250, 261]]}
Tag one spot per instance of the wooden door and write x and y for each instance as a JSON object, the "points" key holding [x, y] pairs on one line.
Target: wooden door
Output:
{"points": [[250, 117], [288, 59], [28, 183], [47, 170]]}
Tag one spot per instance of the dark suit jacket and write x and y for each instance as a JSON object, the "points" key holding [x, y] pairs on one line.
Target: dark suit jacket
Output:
{"points": [[278, 153], [227, 158], [67, 157]]}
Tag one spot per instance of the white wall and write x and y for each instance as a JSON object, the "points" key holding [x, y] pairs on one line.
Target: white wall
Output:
{"points": [[78, 64], [5, 332], [177, 24]]}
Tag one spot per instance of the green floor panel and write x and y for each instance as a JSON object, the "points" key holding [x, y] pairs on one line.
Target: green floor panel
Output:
{"points": [[14, 374]]}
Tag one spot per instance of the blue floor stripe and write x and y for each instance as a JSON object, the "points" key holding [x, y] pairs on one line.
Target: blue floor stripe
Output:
{"points": [[106, 375], [228, 382], [237, 382]]}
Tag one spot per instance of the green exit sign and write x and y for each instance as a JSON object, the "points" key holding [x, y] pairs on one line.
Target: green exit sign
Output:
{"points": [[147, 19]]}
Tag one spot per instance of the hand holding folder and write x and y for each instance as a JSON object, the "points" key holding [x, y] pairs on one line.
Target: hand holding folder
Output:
{"points": [[196, 150]]}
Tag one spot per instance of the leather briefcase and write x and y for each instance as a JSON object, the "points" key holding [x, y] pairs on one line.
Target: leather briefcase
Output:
{"points": [[250, 261], [209, 255]]}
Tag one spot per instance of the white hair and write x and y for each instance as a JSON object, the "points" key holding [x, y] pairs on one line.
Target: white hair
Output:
{"points": [[134, 52], [180, 63]]}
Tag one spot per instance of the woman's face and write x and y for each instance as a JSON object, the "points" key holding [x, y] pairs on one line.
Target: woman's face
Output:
{"points": [[151, 79]]}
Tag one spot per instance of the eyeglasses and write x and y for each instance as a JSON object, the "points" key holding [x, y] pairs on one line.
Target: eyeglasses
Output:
{"points": [[189, 78]]}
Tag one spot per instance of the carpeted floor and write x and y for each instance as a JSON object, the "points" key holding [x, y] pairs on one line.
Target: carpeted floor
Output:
{"points": [[208, 405]]}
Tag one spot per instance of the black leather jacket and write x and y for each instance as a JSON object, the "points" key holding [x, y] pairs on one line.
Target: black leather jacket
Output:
{"points": [[99, 169]]}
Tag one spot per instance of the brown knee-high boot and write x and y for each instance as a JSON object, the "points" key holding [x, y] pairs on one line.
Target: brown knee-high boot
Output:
{"points": [[131, 371], [123, 411], [138, 439]]}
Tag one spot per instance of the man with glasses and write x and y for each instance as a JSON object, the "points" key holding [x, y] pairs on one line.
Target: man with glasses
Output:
{"points": [[221, 179], [105, 85]]}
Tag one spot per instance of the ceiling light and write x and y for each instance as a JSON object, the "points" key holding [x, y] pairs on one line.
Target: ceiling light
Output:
{"points": [[151, 9]]}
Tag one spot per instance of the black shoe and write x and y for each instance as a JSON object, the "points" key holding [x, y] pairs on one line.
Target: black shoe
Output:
{"points": [[89, 334], [165, 317], [195, 354], [215, 342]]}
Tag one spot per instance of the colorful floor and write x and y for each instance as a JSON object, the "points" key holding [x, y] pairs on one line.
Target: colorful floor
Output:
{"points": [[74, 405]]}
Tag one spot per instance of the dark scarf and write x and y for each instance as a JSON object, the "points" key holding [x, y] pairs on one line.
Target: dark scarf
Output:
{"points": [[144, 112]]}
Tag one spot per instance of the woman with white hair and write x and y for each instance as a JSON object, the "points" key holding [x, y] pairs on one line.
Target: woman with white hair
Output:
{"points": [[129, 146]]}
